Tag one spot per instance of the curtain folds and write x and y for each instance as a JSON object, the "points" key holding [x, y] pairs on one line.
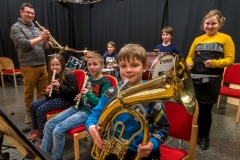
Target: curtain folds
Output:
{"points": [[79, 1]]}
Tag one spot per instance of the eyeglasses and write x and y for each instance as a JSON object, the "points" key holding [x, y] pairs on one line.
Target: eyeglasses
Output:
{"points": [[29, 12]]}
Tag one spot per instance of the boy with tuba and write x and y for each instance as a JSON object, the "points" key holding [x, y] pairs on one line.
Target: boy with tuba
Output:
{"points": [[132, 64]]}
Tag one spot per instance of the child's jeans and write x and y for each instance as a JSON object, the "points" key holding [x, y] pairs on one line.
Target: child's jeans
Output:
{"points": [[55, 129]]}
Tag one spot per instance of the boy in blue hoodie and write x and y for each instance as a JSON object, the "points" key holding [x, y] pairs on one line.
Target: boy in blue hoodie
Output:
{"points": [[132, 63], [111, 57]]}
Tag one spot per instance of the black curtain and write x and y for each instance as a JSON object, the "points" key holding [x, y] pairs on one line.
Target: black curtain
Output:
{"points": [[68, 23], [122, 21], [186, 17], [130, 21]]}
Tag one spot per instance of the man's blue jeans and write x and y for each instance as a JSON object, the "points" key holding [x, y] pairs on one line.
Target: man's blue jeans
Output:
{"points": [[55, 129]]}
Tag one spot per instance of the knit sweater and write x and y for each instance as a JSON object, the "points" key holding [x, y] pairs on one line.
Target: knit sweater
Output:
{"points": [[21, 34]]}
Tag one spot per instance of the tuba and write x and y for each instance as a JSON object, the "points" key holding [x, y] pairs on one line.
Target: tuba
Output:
{"points": [[175, 85]]}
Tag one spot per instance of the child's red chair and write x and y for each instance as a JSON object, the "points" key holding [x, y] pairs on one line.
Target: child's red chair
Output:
{"points": [[80, 132], [7, 68], [80, 76], [231, 76], [112, 80], [182, 126]]}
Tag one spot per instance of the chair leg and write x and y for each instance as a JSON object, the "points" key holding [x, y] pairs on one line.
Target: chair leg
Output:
{"points": [[218, 103], [76, 147], [2, 80], [180, 144], [15, 81], [238, 113]]}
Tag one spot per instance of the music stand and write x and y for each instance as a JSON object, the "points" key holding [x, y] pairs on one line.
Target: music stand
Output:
{"points": [[19, 141]]}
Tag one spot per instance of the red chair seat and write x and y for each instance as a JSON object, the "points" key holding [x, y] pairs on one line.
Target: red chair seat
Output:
{"points": [[76, 130], [168, 153], [56, 111], [230, 92], [9, 71]]}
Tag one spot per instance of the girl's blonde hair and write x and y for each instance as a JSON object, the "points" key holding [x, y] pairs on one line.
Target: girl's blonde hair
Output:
{"points": [[218, 15]]}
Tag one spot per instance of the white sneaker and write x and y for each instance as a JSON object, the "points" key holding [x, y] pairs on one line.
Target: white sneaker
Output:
{"points": [[28, 118]]}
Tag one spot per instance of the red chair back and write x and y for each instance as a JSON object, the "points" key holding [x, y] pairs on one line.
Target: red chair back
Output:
{"points": [[80, 76], [180, 121], [112, 80], [231, 74]]}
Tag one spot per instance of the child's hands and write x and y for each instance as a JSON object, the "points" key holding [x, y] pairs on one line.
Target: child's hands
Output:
{"points": [[78, 97], [208, 63], [145, 150], [109, 67], [190, 66], [84, 91], [94, 132], [55, 83], [48, 89]]}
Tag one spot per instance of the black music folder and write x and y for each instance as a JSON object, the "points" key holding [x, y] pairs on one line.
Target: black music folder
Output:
{"points": [[12, 134]]}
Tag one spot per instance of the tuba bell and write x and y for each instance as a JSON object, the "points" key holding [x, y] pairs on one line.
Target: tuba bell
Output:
{"points": [[175, 85]]}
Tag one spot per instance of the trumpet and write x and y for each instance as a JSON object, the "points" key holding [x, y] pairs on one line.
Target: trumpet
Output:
{"points": [[53, 77], [84, 85], [52, 41]]}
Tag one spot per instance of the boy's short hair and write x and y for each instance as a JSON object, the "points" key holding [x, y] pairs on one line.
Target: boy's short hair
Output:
{"points": [[111, 43], [168, 29], [134, 51], [96, 56]]}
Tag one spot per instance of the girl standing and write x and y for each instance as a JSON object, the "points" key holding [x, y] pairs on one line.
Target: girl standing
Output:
{"points": [[209, 54]]}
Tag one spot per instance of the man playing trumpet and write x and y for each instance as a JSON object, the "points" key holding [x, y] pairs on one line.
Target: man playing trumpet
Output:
{"points": [[30, 45]]}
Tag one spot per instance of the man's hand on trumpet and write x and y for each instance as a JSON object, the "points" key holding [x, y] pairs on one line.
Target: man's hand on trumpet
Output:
{"points": [[45, 35]]}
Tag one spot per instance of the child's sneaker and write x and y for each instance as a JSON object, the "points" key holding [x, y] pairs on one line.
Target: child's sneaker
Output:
{"points": [[38, 143], [33, 136]]}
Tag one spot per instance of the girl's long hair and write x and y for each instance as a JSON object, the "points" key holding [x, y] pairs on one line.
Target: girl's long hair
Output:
{"points": [[61, 75]]}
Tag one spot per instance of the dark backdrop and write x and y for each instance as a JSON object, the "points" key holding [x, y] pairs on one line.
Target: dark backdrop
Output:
{"points": [[122, 21]]}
